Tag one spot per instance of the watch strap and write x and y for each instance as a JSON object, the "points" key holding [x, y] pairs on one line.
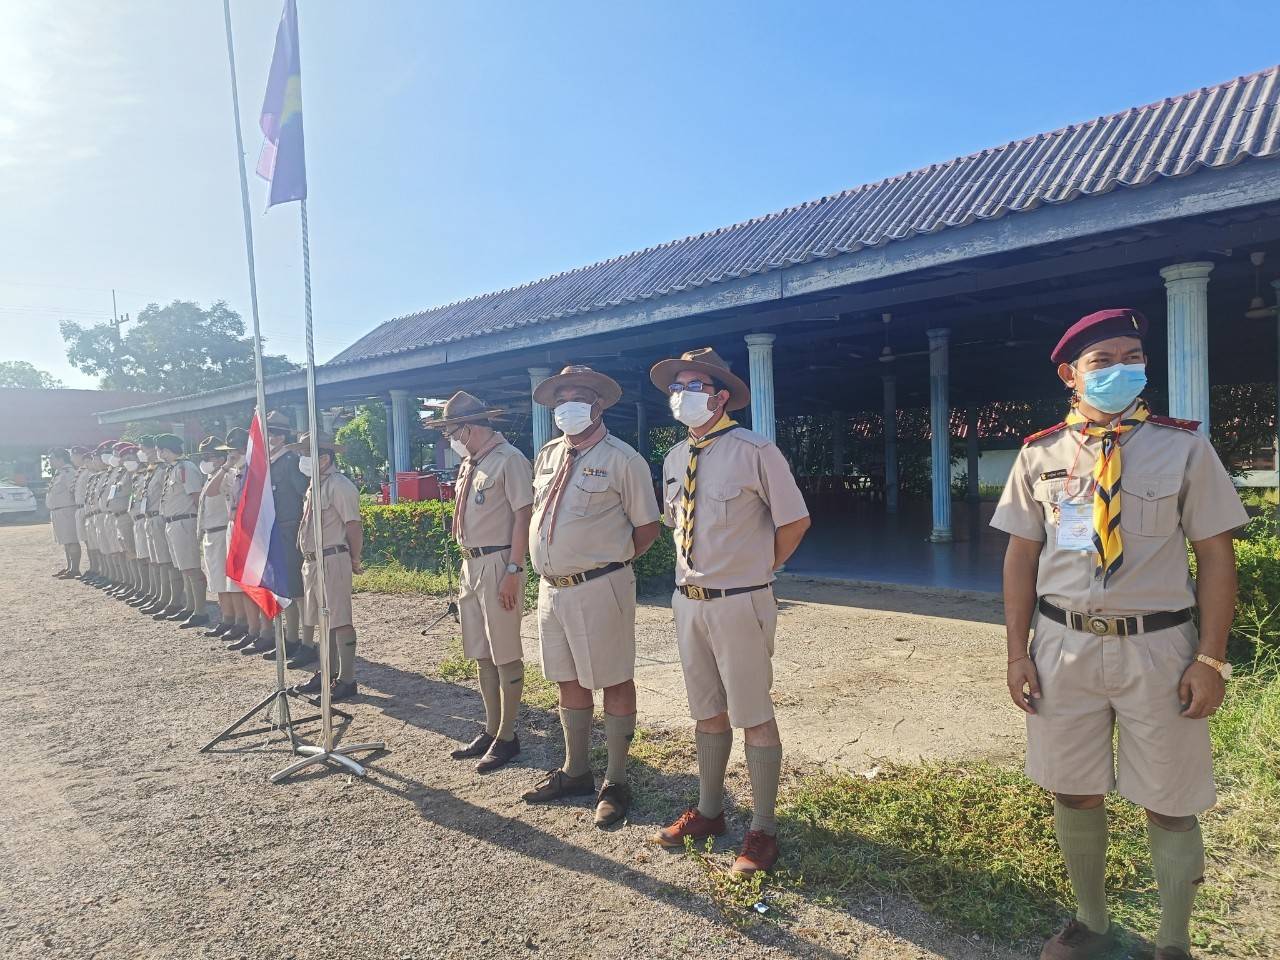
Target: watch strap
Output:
{"points": [[1219, 665]]}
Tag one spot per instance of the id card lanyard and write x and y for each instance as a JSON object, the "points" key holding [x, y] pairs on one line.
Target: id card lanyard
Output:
{"points": [[1075, 513]]}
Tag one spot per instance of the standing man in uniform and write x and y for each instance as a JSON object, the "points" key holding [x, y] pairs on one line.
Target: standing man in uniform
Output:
{"points": [[112, 501], [162, 571], [80, 460], [738, 515], [289, 487], [138, 517], [342, 538], [245, 613], [60, 499], [211, 522], [492, 507], [594, 513], [126, 458], [1099, 510], [92, 513], [178, 505]]}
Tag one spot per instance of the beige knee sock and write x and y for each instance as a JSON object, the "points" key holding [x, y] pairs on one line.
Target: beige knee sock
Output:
{"points": [[618, 733], [713, 760], [490, 687], [577, 740], [511, 686], [765, 766], [1082, 835], [347, 657], [1178, 860]]}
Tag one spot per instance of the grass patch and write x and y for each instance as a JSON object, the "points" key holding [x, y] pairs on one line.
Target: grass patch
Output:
{"points": [[395, 577], [454, 667]]}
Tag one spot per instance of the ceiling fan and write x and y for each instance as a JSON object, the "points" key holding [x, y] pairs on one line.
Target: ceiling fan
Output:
{"points": [[1257, 308], [886, 353]]}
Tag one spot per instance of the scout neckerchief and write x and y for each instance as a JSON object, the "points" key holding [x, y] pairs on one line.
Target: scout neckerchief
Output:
{"points": [[696, 446], [1106, 486], [465, 473], [561, 479]]}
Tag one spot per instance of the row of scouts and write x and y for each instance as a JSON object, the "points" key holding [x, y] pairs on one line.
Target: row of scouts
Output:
{"points": [[156, 528]]}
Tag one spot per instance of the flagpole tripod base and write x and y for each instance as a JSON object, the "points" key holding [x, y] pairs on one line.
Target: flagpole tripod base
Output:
{"points": [[450, 611], [337, 756], [277, 701]]}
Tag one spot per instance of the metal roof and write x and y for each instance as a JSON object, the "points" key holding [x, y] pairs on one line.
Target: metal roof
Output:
{"points": [[1213, 127]]}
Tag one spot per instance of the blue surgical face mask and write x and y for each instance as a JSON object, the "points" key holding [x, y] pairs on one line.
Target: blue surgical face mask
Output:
{"points": [[1114, 388]]}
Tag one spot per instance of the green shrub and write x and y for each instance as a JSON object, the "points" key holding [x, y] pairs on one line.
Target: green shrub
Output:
{"points": [[1256, 633]]}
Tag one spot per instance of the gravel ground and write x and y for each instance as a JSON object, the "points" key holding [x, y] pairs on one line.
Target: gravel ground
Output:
{"points": [[120, 840]]}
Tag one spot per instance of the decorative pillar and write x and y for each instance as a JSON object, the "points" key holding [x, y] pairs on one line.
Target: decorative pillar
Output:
{"points": [[400, 434], [1187, 295], [940, 433], [539, 416], [760, 353], [973, 451], [391, 450], [890, 443]]}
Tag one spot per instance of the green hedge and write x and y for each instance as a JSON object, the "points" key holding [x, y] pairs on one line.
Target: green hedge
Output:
{"points": [[1256, 634]]}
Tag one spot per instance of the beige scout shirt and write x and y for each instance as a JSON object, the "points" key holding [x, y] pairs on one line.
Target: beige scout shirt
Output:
{"points": [[156, 478], [500, 484], [744, 492], [339, 505], [181, 491], [609, 494], [213, 507], [1173, 488], [62, 489], [117, 488], [83, 476]]}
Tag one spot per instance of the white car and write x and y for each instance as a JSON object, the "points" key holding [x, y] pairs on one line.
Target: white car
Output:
{"points": [[16, 501]]}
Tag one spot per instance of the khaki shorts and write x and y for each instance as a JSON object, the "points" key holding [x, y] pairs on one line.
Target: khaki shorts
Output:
{"points": [[82, 527], [108, 535], [1092, 686], [488, 631], [157, 542], [337, 585], [726, 650], [588, 631], [124, 534], [184, 544], [65, 530], [213, 556]]}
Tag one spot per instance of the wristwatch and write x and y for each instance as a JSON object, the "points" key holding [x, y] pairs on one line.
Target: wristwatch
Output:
{"points": [[1221, 666], [514, 568]]}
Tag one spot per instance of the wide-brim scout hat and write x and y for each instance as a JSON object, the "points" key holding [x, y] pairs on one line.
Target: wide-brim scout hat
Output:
{"points": [[169, 441], [1096, 327], [706, 361], [277, 422], [462, 408], [323, 441], [209, 447], [578, 375], [237, 441]]}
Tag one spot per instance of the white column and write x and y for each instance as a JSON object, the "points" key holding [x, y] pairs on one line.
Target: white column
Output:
{"points": [[400, 433], [1187, 294], [760, 353], [388, 409], [940, 431], [539, 416], [890, 442]]}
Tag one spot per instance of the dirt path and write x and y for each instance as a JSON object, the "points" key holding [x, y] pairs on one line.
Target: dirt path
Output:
{"points": [[119, 840]]}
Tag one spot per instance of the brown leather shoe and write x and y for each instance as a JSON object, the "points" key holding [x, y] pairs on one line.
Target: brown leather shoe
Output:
{"points": [[1171, 953], [612, 803], [1076, 941], [476, 748], [499, 754], [759, 852], [691, 824], [558, 784]]}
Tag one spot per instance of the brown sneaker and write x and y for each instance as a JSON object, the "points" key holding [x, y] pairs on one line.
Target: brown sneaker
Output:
{"points": [[558, 784], [1171, 953], [1075, 941], [691, 824], [759, 852], [612, 804]]}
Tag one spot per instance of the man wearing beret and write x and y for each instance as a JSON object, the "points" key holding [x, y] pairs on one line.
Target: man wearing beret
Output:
{"points": [[97, 462], [126, 460], [594, 513], [60, 499], [84, 472], [110, 503], [211, 523], [162, 572], [1099, 510], [144, 457], [492, 506], [179, 501]]}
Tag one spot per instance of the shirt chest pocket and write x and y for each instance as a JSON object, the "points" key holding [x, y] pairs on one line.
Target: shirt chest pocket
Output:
{"points": [[482, 491], [588, 496], [1048, 493], [541, 487], [719, 501], [1149, 504]]}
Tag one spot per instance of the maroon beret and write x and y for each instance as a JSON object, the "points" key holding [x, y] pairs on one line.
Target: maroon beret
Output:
{"points": [[1096, 327]]}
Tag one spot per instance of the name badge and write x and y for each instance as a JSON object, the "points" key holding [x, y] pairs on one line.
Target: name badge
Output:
{"points": [[1075, 525]]}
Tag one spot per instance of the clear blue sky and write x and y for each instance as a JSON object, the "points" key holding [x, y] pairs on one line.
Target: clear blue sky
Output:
{"points": [[456, 148]]}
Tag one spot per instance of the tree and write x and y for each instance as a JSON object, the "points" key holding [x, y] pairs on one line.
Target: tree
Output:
{"points": [[179, 349], [20, 373], [365, 437]]}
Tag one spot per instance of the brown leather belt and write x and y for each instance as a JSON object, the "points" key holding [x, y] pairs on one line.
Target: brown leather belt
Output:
{"points": [[152, 513], [474, 552], [214, 529], [181, 516], [1101, 626], [694, 592], [328, 552], [577, 578], [69, 506]]}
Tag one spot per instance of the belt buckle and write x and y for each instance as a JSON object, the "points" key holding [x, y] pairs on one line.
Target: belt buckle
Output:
{"points": [[564, 581], [695, 593], [1100, 626]]}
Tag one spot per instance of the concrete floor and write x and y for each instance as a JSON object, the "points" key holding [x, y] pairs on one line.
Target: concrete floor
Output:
{"points": [[865, 543]]}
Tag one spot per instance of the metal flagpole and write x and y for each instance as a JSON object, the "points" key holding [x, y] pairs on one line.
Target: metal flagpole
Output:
{"points": [[326, 752]]}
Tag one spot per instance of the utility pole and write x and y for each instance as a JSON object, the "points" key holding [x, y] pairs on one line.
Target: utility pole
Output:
{"points": [[117, 321]]}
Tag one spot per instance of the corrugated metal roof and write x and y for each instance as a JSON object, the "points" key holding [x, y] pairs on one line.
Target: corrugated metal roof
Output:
{"points": [[1213, 127]]}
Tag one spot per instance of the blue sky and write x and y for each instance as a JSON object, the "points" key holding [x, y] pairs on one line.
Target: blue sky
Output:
{"points": [[458, 148]]}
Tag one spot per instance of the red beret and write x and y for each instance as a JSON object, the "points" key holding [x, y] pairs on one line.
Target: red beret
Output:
{"points": [[105, 447], [1096, 327]]}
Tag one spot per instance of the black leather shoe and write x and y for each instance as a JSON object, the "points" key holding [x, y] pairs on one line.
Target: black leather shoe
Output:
{"points": [[219, 630], [476, 748], [344, 691], [558, 784], [501, 752], [166, 613], [193, 621], [240, 642], [304, 656], [289, 651], [310, 688], [612, 804], [181, 614], [259, 645]]}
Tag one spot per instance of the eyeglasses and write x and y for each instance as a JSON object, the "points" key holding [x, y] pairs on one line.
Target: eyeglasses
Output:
{"points": [[695, 385]]}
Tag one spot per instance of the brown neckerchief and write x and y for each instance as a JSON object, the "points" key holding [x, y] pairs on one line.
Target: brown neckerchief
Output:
{"points": [[561, 480], [463, 490]]}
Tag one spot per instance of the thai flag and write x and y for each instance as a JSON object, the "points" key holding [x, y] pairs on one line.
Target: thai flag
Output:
{"points": [[255, 555]]}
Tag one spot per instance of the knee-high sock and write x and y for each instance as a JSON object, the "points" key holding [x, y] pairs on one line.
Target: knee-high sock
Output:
{"points": [[765, 766], [511, 685], [491, 694], [577, 739], [1082, 835], [713, 760], [1178, 860], [346, 655], [291, 622], [618, 733], [175, 583]]}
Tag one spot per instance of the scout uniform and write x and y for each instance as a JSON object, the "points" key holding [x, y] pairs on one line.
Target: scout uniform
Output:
{"points": [[60, 499], [725, 494], [158, 555], [1114, 632], [211, 521], [138, 518], [179, 497], [236, 631], [83, 475]]}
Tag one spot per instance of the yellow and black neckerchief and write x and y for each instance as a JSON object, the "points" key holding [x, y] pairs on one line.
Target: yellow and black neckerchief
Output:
{"points": [[696, 446]]}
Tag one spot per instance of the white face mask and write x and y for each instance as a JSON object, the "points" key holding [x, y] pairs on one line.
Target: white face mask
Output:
{"points": [[573, 417], [304, 466], [131, 465], [110, 460], [207, 467], [690, 408], [143, 456], [459, 448]]}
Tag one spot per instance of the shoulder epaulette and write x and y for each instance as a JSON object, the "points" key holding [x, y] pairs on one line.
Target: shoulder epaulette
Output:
{"points": [[1191, 426], [1044, 433]]}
